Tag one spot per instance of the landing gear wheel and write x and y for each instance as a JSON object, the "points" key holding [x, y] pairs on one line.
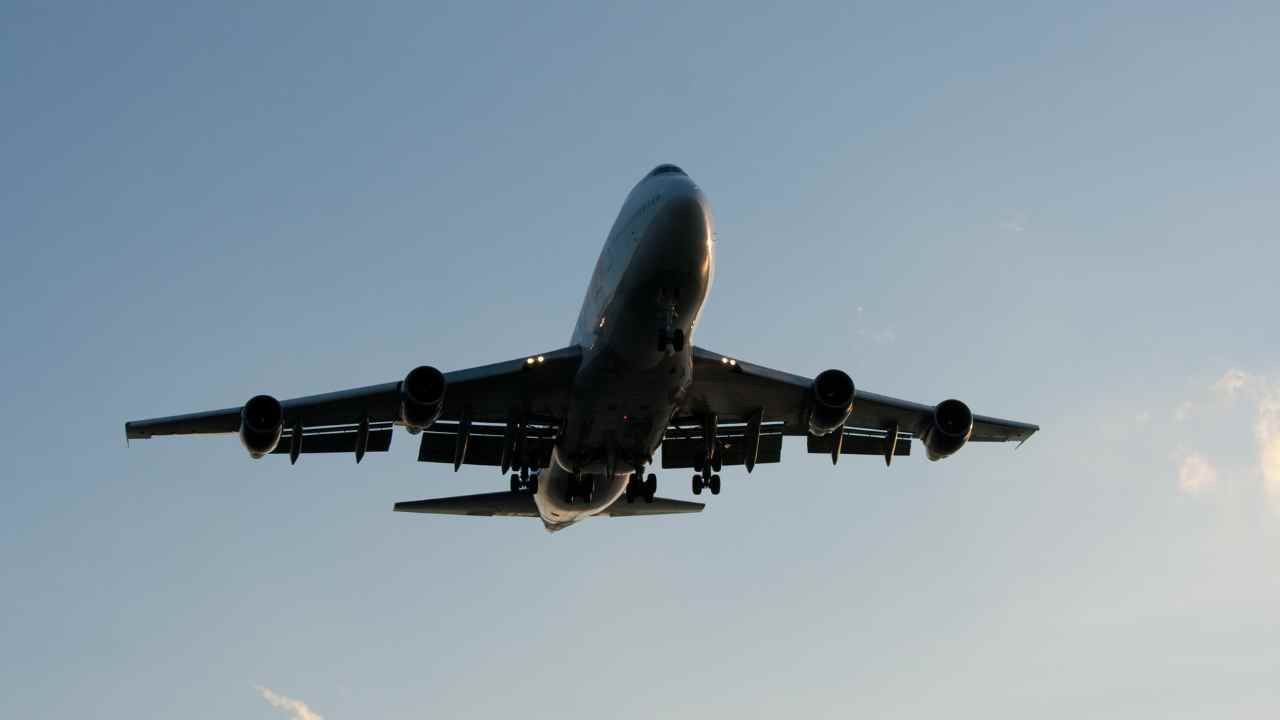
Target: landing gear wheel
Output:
{"points": [[715, 461], [677, 340], [697, 484], [650, 487], [631, 489], [532, 484], [515, 483], [714, 484]]}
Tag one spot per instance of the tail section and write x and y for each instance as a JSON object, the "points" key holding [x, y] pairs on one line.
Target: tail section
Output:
{"points": [[519, 504]]}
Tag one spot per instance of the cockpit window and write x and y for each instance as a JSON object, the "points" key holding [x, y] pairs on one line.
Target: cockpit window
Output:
{"points": [[665, 170]]}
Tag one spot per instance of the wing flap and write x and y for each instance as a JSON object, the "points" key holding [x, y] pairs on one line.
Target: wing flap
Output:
{"points": [[859, 442], [484, 445], [336, 441], [688, 452]]}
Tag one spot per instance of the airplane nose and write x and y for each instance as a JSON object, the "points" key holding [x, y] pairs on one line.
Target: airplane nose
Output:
{"points": [[686, 217], [683, 233]]}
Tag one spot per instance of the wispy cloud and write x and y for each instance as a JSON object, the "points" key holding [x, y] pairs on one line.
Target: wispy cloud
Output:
{"points": [[1266, 430], [1183, 411], [1196, 474], [1231, 383], [296, 709]]}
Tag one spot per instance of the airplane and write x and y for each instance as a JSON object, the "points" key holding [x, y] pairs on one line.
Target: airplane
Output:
{"points": [[577, 427]]}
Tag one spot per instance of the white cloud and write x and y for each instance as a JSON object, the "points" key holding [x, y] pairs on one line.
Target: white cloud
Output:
{"points": [[1183, 411], [1266, 430], [297, 709], [1231, 382], [1143, 419], [1196, 474]]}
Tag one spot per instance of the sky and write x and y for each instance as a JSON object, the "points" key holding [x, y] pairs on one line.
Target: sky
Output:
{"points": [[1063, 213]]}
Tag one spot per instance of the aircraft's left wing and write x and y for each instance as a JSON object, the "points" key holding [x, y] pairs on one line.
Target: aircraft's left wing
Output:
{"points": [[742, 396], [534, 389]]}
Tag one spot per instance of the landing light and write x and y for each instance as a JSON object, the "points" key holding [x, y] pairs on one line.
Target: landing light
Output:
{"points": [[540, 358], [530, 361]]}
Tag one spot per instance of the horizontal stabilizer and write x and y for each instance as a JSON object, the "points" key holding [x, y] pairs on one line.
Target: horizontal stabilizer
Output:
{"points": [[659, 506], [509, 504], [506, 504]]}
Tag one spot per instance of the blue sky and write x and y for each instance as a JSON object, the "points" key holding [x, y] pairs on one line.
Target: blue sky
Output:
{"points": [[1064, 214]]}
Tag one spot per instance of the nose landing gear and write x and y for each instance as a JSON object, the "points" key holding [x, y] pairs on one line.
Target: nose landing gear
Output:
{"points": [[669, 336]]}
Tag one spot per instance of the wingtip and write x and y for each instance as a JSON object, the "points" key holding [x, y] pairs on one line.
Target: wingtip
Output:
{"points": [[1034, 429]]}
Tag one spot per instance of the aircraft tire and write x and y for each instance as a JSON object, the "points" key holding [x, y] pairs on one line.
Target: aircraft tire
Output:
{"points": [[697, 484], [715, 484], [515, 483]]}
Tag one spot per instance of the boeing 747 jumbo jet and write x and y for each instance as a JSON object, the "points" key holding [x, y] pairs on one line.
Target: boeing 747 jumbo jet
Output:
{"points": [[577, 427]]}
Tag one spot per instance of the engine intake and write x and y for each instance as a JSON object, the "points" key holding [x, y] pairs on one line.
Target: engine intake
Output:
{"points": [[421, 398], [949, 430], [831, 402], [261, 423]]}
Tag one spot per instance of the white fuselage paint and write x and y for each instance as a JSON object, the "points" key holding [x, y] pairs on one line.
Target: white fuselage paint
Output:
{"points": [[657, 263]]}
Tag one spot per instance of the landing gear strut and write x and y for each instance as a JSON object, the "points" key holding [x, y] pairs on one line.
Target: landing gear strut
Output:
{"points": [[524, 481], [646, 488], [669, 336]]}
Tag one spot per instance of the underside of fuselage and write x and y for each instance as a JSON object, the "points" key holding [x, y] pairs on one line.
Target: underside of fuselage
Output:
{"points": [[636, 331]]}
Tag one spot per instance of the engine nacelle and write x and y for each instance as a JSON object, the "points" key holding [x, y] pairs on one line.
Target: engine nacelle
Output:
{"points": [[831, 401], [949, 430], [261, 423], [421, 398]]}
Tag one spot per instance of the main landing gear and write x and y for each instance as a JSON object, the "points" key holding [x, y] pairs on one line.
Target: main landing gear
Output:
{"points": [[579, 487], [646, 488], [711, 482], [524, 482]]}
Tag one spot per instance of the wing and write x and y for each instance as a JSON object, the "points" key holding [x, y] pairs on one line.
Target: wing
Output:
{"points": [[533, 389], [739, 393]]}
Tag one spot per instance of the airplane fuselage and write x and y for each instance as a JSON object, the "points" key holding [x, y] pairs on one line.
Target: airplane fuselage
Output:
{"points": [[635, 329]]}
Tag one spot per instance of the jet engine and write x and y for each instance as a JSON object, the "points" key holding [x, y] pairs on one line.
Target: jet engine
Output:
{"points": [[949, 430], [421, 398], [831, 402], [261, 422]]}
